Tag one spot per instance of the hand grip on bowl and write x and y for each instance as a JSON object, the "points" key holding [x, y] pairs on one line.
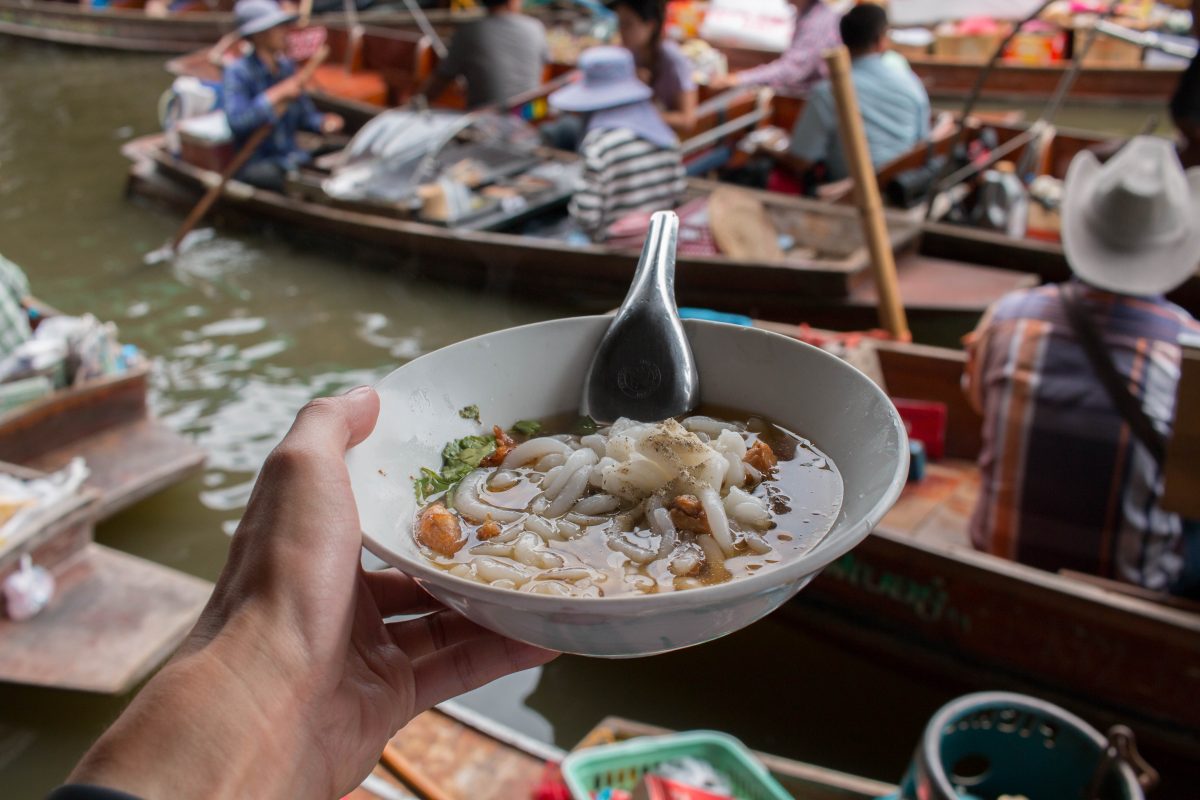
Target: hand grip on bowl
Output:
{"points": [[644, 368]]}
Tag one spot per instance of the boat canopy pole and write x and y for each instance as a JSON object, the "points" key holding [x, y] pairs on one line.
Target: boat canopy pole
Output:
{"points": [[423, 23]]}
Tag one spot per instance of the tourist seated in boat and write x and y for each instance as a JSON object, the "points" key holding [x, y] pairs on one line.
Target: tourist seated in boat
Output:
{"points": [[291, 683], [801, 66], [500, 56], [891, 100], [1185, 103], [631, 158], [1071, 463], [262, 88], [660, 62]]}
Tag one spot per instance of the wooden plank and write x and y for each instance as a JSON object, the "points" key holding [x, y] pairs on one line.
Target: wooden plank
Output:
{"points": [[803, 780], [30, 430], [921, 498], [114, 619], [129, 462], [462, 762], [920, 372], [52, 537], [934, 283]]}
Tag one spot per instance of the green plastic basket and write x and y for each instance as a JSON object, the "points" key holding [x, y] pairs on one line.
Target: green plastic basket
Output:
{"points": [[621, 766]]}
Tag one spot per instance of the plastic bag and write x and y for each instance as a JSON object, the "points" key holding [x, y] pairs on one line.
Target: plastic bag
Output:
{"points": [[28, 590]]}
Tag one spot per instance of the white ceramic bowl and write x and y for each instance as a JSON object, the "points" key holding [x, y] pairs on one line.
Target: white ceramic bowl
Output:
{"points": [[536, 371]]}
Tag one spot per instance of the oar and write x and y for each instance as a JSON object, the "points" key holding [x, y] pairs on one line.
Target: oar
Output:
{"points": [[236, 164], [866, 194], [422, 21]]}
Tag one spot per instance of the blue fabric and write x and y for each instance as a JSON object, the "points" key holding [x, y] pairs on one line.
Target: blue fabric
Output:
{"points": [[247, 109], [894, 107]]}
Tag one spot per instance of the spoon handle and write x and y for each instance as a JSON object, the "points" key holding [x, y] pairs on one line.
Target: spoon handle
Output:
{"points": [[644, 368]]}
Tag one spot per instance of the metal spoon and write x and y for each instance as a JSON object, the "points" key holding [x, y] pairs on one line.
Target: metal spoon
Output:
{"points": [[644, 368]]}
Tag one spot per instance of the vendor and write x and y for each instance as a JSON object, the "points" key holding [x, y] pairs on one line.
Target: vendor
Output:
{"points": [[631, 157], [801, 66], [500, 56], [660, 62], [262, 88], [891, 100], [1070, 474]]}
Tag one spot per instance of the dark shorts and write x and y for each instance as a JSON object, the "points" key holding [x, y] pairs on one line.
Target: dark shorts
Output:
{"points": [[1185, 103]]}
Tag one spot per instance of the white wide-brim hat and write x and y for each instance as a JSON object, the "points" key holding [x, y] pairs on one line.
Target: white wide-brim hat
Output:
{"points": [[609, 80], [1132, 225], [256, 16]]}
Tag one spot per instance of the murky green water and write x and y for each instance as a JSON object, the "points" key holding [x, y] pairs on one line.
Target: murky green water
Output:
{"points": [[247, 327]]}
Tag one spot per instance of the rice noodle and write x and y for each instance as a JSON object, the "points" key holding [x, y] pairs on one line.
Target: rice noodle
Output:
{"points": [[597, 504], [718, 522], [533, 449], [635, 553], [468, 502], [571, 493]]}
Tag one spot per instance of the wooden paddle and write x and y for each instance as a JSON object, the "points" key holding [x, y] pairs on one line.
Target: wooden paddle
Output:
{"points": [[239, 160], [866, 194]]}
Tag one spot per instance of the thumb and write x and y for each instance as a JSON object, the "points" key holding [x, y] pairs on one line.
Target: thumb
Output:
{"points": [[328, 426]]}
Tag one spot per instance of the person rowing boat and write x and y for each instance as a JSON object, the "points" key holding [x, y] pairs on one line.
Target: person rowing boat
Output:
{"points": [[262, 88]]}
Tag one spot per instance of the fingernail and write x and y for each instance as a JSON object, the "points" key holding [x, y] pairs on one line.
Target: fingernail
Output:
{"points": [[358, 390]]}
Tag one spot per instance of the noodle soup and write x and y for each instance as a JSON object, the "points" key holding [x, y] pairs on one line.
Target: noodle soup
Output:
{"points": [[632, 508]]}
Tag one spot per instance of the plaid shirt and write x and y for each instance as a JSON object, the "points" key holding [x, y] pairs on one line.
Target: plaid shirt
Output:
{"points": [[1065, 485], [801, 65], [247, 108], [14, 319]]}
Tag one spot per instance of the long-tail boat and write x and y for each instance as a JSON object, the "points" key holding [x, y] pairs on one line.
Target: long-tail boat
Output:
{"points": [[953, 79], [825, 277], [125, 25], [917, 594]]}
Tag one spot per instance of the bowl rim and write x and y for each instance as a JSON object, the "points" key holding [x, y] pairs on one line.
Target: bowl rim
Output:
{"points": [[762, 582]]}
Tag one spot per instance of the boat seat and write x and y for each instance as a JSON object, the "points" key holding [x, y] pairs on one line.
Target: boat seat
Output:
{"points": [[366, 86]]}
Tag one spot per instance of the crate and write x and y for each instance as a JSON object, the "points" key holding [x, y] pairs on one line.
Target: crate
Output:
{"points": [[1037, 48], [1109, 52], [621, 766], [976, 49]]}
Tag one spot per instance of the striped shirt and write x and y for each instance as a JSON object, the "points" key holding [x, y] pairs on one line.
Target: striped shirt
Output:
{"points": [[14, 319], [1065, 485], [624, 173]]}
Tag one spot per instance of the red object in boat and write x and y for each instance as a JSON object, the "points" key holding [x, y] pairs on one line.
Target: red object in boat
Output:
{"points": [[551, 786], [653, 787], [926, 423]]}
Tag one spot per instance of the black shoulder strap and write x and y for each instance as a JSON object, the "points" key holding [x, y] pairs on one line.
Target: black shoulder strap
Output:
{"points": [[1117, 387]]}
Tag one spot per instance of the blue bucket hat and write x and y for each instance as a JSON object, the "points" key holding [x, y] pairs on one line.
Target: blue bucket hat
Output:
{"points": [[256, 16], [609, 80]]}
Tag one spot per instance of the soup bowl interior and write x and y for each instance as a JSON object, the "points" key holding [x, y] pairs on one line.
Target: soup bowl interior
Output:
{"points": [[537, 371]]}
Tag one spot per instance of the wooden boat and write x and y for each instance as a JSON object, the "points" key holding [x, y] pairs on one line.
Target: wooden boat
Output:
{"points": [[441, 757], [917, 593], [832, 284], [108, 422], [114, 617], [125, 26], [953, 79]]}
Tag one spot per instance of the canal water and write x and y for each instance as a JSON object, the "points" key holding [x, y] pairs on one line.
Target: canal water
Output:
{"points": [[246, 327]]}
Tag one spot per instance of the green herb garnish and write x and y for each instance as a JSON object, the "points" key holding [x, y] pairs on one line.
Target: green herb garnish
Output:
{"points": [[469, 412], [458, 458], [527, 427], [585, 426]]}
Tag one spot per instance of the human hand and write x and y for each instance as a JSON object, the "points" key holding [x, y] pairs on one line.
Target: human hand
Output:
{"points": [[332, 123], [285, 91], [720, 83], [291, 683]]}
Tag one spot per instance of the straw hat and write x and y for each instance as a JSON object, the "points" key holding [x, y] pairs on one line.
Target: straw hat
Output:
{"points": [[1132, 225], [256, 16]]}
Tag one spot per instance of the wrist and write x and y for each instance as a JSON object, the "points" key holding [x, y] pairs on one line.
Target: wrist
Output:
{"points": [[203, 727]]}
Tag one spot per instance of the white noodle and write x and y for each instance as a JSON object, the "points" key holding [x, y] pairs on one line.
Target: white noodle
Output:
{"points": [[718, 522], [468, 502], [533, 449], [577, 461], [547, 463], [571, 492], [637, 554], [597, 504], [707, 425]]}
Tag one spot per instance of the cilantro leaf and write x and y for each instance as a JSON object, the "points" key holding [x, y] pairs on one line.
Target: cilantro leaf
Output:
{"points": [[527, 427]]}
